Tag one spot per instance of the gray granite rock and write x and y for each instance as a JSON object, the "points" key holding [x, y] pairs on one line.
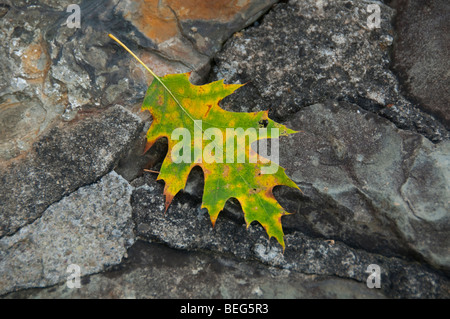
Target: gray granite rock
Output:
{"points": [[91, 228], [66, 158], [421, 53], [305, 52], [156, 271], [186, 226], [368, 183]]}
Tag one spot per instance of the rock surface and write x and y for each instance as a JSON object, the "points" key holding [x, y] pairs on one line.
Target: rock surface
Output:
{"points": [[51, 71], [387, 189], [66, 158], [186, 226], [91, 228], [305, 52], [372, 165], [191, 31], [421, 54], [156, 271]]}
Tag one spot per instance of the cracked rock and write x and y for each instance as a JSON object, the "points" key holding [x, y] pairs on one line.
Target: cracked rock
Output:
{"points": [[64, 159], [306, 51], [190, 31], [185, 226], [50, 72], [156, 271], [368, 183], [373, 192], [90, 228]]}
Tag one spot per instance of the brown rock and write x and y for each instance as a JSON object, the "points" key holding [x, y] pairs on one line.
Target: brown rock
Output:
{"points": [[35, 60], [191, 31], [159, 20]]}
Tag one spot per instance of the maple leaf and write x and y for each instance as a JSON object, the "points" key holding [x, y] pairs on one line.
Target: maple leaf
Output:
{"points": [[177, 104]]}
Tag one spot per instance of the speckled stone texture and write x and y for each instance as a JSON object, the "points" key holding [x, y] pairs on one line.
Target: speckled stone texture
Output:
{"points": [[305, 52], [91, 228], [371, 156]]}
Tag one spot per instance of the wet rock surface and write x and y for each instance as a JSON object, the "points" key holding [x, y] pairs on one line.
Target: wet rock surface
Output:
{"points": [[372, 155]]}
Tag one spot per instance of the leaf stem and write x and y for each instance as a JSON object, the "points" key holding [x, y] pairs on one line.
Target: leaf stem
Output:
{"points": [[135, 56], [151, 171], [152, 73]]}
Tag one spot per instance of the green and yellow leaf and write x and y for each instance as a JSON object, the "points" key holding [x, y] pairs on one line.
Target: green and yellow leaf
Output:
{"points": [[176, 103]]}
